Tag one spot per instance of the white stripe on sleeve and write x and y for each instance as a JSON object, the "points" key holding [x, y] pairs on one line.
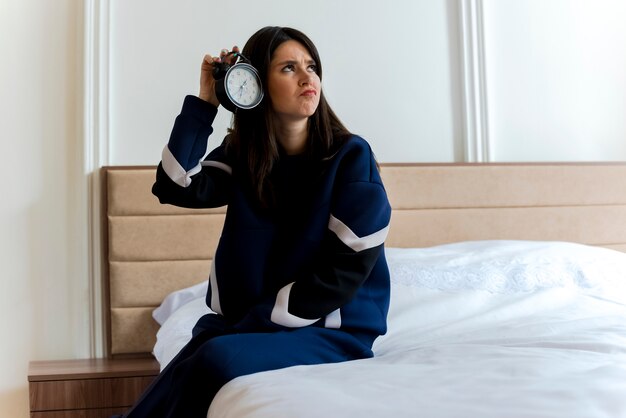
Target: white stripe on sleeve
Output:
{"points": [[217, 164], [333, 319], [215, 292], [280, 314], [175, 171], [352, 240]]}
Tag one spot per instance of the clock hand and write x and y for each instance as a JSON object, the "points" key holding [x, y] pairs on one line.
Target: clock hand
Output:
{"points": [[242, 88], [240, 91]]}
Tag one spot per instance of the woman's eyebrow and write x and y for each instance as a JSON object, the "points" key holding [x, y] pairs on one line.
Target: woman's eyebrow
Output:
{"points": [[294, 62]]}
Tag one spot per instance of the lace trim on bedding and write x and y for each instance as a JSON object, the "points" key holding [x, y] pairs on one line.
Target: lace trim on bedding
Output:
{"points": [[510, 268]]}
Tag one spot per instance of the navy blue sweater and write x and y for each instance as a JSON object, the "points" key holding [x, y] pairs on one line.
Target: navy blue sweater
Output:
{"points": [[315, 258]]}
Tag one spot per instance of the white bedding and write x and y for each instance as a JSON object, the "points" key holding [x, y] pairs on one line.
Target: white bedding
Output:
{"points": [[476, 329]]}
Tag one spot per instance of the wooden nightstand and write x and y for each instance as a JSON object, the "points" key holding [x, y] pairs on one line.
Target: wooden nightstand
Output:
{"points": [[90, 388]]}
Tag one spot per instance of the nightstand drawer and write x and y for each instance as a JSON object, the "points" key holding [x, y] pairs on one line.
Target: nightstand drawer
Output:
{"points": [[89, 388], [88, 393], [80, 413]]}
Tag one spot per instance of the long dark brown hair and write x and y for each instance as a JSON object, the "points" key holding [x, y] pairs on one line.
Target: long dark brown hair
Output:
{"points": [[253, 138]]}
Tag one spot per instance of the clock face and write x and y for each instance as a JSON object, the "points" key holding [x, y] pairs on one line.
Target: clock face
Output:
{"points": [[243, 86]]}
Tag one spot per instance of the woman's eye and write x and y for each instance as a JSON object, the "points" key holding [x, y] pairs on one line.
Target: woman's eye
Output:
{"points": [[288, 68], [313, 68]]}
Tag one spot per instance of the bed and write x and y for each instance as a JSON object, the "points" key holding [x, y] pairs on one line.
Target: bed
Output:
{"points": [[508, 295]]}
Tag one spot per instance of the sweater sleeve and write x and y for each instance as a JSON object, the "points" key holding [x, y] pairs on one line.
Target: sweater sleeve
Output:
{"points": [[352, 244], [188, 175], [357, 229]]}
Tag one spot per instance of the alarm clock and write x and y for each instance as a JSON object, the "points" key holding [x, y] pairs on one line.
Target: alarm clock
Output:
{"points": [[237, 86]]}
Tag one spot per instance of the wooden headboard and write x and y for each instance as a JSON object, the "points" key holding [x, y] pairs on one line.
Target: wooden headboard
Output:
{"points": [[151, 250]]}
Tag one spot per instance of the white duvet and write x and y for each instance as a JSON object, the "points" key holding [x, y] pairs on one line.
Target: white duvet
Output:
{"points": [[476, 329]]}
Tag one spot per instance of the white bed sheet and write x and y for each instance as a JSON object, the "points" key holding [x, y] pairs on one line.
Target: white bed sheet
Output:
{"points": [[477, 329], [491, 358]]}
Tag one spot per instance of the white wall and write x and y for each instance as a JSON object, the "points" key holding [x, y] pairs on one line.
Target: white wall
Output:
{"points": [[556, 79], [390, 69], [43, 293], [555, 90], [554, 83]]}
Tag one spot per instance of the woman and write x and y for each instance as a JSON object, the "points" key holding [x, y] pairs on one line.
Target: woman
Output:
{"points": [[299, 276]]}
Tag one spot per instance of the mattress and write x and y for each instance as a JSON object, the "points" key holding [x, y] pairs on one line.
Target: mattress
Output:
{"points": [[475, 329]]}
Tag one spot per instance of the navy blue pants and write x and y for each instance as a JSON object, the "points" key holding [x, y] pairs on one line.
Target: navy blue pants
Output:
{"points": [[216, 355]]}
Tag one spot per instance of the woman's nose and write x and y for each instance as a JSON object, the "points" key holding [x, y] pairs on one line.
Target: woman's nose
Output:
{"points": [[305, 79]]}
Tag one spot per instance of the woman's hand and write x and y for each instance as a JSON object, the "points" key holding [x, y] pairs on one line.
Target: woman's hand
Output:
{"points": [[207, 82]]}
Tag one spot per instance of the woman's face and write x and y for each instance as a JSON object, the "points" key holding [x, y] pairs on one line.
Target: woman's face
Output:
{"points": [[293, 84]]}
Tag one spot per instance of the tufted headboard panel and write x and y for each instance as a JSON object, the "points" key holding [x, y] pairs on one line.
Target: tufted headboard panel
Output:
{"points": [[151, 249]]}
